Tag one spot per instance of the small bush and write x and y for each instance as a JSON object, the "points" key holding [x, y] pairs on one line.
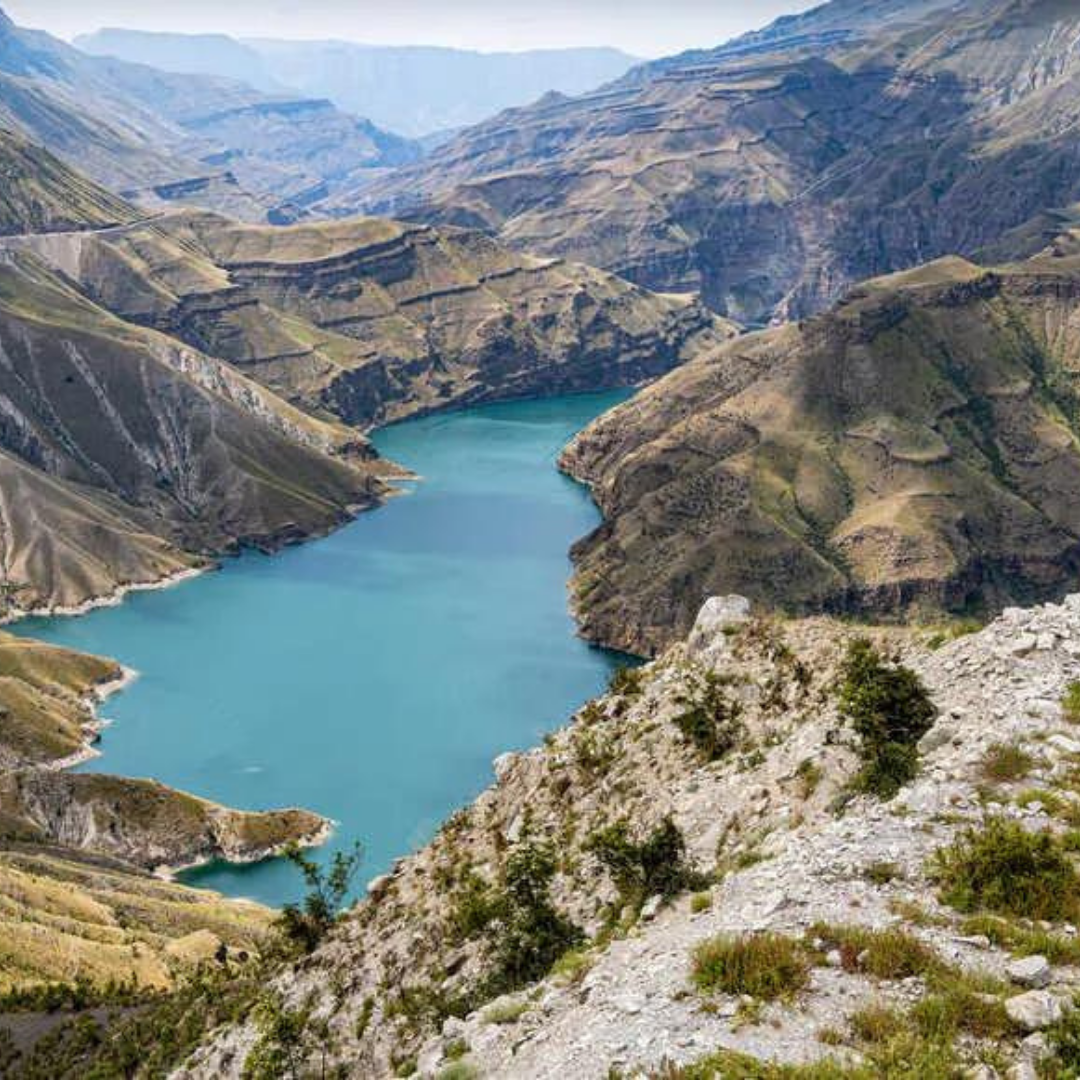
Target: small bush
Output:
{"points": [[655, 866], [1057, 948], [1070, 702], [304, 925], [890, 710], [1006, 762], [810, 775], [1005, 869], [532, 932], [700, 902], [626, 682], [765, 966], [709, 720], [507, 1012], [882, 873], [1064, 1039]]}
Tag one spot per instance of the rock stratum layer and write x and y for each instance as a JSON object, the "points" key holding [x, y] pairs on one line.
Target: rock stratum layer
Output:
{"points": [[772, 173], [371, 321], [914, 450]]}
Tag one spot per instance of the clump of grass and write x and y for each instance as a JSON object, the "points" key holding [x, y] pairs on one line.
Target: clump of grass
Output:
{"points": [[505, 1012], [876, 1023], [710, 717], [1021, 940], [890, 710], [1006, 762], [764, 966], [700, 902], [1050, 801], [1003, 868], [810, 775], [885, 954], [1070, 702], [882, 873]]}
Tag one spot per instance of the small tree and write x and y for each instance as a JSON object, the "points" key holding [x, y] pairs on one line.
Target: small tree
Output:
{"points": [[304, 925], [655, 866], [710, 717], [534, 933], [890, 710]]}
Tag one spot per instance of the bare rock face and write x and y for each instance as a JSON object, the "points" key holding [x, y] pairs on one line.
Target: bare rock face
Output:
{"points": [[765, 817], [719, 620], [911, 451], [770, 174]]}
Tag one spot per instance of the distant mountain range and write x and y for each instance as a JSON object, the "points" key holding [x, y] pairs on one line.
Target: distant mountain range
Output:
{"points": [[160, 137], [773, 172], [413, 90]]}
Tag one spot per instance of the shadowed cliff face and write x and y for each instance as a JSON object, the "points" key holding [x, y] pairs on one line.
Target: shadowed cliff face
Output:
{"points": [[915, 450], [371, 321], [770, 175]]}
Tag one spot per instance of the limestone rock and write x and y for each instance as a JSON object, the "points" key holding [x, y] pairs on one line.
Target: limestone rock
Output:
{"points": [[1035, 1010], [1033, 971]]}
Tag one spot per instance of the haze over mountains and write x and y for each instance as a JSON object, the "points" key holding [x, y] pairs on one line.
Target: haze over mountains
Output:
{"points": [[412, 90]]}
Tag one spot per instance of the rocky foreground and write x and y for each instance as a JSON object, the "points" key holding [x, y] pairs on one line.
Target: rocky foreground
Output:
{"points": [[753, 829]]}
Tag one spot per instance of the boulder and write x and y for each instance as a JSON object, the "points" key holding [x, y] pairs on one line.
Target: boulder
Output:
{"points": [[1034, 1010], [1033, 971], [719, 616]]}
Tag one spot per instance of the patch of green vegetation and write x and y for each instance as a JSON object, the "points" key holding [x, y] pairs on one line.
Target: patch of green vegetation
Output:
{"points": [[532, 932], [890, 710], [305, 925], [1006, 762], [877, 1023], [765, 966], [74, 996], [1022, 940], [700, 902], [1004, 869], [892, 953], [944, 635], [458, 1070], [287, 1038], [1064, 1038], [473, 907], [508, 1012], [710, 717], [883, 873], [810, 775], [626, 682], [1070, 702], [654, 866]]}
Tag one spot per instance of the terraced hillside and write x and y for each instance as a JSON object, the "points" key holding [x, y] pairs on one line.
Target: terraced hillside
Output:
{"points": [[914, 450], [773, 173], [126, 456], [371, 320]]}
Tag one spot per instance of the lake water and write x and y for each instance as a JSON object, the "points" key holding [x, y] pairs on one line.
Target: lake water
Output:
{"points": [[373, 675]]}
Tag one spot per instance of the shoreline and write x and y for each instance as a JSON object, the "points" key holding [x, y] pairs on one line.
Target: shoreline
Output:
{"points": [[106, 600]]}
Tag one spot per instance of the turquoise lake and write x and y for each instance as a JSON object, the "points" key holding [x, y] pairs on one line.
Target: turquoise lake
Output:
{"points": [[372, 675]]}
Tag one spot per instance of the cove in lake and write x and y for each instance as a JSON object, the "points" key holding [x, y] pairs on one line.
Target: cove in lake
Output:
{"points": [[373, 675]]}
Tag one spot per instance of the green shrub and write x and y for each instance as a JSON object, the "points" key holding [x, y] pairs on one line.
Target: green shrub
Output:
{"points": [[304, 925], [1070, 702], [1064, 1039], [1003, 868], [473, 906], [700, 902], [626, 682], [654, 866], [890, 710], [876, 1023], [765, 966], [532, 933], [709, 720]]}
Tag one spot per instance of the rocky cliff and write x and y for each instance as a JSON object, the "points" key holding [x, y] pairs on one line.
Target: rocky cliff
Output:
{"points": [[772, 173], [667, 859], [910, 452], [371, 320]]}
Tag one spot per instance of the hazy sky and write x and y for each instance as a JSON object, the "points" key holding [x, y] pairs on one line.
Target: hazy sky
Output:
{"points": [[643, 27]]}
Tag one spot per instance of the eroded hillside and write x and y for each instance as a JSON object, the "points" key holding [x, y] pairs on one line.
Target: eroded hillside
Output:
{"points": [[912, 451]]}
